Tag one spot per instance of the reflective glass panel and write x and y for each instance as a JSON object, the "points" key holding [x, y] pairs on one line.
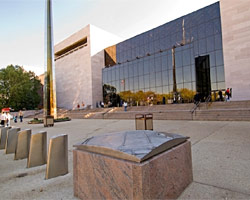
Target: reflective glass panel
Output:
{"points": [[213, 74], [210, 44], [152, 79], [165, 89], [146, 66], [178, 59], [140, 67], [164, 77], [221, 85], [188, 86], [121, 72], [202, 46], [135, 65], [219, 58], [159, 90], [157, 63], [126, 85], [164, 61], [141, 82], [146, 81], [131, 70], [186, 57], [158, 79], [220, 73], [187, 74], [136, 83], [179, 75], [218, 42], [131, 83]]}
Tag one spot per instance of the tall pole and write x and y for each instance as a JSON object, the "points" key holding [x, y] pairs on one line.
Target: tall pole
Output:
{"points": [[49, 72], [174, 71]]}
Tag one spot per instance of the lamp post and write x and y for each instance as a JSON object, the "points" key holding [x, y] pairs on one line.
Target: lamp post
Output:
{"points": [[50, 111]]}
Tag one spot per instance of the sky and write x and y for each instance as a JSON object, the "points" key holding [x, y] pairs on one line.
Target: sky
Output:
{"points": [[22, 23]]}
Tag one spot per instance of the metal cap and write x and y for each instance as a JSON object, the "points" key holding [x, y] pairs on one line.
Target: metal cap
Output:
{"points": [[136, 146]]}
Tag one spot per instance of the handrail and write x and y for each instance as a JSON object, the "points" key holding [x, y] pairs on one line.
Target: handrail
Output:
{"points": [[195, 107], [207, 100]]}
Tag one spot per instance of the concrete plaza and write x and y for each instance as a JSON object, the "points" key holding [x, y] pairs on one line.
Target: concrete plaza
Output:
{"points": [[220, 154]]}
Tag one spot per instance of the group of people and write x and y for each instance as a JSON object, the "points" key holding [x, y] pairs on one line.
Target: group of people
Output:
{"points": [[78, 106], [228, 94], [6, 118]]}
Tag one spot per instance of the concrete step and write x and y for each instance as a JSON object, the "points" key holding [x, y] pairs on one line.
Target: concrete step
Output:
{"points": [[221, 111]]}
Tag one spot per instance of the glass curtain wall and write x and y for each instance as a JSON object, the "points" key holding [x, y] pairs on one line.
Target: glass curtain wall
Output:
{"points": [[145, 62]]}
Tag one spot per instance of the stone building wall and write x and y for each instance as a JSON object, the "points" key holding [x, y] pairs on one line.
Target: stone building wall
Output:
{"points": [[235, 16]]}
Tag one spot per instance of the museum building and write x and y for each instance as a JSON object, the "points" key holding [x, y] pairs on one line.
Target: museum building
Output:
{"points": [[186, 53], [79, 60], [205, 51]]}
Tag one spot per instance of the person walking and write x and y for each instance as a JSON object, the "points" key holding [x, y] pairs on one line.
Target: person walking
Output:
{"points": [[3, 118], [8, 117], [228, 94], [15, 118], [20, 115], [220, 96], [125, 106]]}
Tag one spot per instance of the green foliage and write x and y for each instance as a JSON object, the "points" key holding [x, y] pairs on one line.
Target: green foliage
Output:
{"points": [[150, 97], [40, 121], [187, 95], [62, 119], [18, 88]]}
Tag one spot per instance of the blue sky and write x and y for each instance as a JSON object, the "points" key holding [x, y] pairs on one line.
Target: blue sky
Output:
{"points": [[22, 23]]}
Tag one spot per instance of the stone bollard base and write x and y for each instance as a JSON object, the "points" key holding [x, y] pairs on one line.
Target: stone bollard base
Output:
{"points": [[164, 176]]}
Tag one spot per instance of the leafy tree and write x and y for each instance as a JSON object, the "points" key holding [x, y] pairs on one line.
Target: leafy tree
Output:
{"points": [[187, 95], [18, 88]]}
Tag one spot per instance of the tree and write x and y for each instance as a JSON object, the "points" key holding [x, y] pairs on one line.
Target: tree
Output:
{"points": [[18, 88]]}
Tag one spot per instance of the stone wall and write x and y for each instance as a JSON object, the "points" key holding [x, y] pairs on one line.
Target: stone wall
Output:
{"points": [[235, 16], [73, 73], [97, 63]]}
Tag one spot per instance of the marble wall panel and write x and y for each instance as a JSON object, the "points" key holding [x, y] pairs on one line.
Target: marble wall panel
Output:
{"points": [[235, 17], [165, 176]]}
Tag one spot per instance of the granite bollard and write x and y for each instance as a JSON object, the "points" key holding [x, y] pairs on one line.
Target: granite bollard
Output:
{"points": [[11, 140], [3, 136], [57, 163], [38, 150], [132, 165], [23, 144], [144, 121]]}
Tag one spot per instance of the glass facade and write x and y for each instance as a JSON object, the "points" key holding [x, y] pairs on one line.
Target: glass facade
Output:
{"points": [[164, 60]]}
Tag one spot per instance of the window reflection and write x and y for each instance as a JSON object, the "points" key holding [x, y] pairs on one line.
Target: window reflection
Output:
{"points": [[145, 61]]}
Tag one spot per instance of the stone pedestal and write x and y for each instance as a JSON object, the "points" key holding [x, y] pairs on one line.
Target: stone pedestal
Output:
{"points": [[163, 176]]}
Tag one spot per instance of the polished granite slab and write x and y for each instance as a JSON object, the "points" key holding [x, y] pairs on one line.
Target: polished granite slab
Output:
{"points": [[163, 175]]}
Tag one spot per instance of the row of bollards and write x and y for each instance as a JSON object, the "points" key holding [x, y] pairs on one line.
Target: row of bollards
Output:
{"points": [[24, 144]]}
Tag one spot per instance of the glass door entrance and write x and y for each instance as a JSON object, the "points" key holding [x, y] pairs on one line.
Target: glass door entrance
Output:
{"points": [[203, 82]]}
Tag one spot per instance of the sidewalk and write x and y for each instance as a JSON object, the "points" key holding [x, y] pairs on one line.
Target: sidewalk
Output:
{"points": [[220, 154]]}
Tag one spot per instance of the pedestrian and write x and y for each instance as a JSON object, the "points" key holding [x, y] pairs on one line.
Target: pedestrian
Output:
{"points": [[125, 106], [15, 118], [102, 104], [220, 96], [8, 117], [163, 100], [228, 94], [3, 118], [20, 115], [197, 98]]}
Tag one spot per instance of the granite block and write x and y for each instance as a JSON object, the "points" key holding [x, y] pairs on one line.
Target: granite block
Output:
{"points": [[164, 176]]}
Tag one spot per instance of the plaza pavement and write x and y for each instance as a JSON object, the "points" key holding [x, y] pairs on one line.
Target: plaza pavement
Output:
{"points": [[220, 155]]}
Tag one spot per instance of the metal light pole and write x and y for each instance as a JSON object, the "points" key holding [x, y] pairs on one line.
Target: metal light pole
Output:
{"points": [[50, 111]]}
